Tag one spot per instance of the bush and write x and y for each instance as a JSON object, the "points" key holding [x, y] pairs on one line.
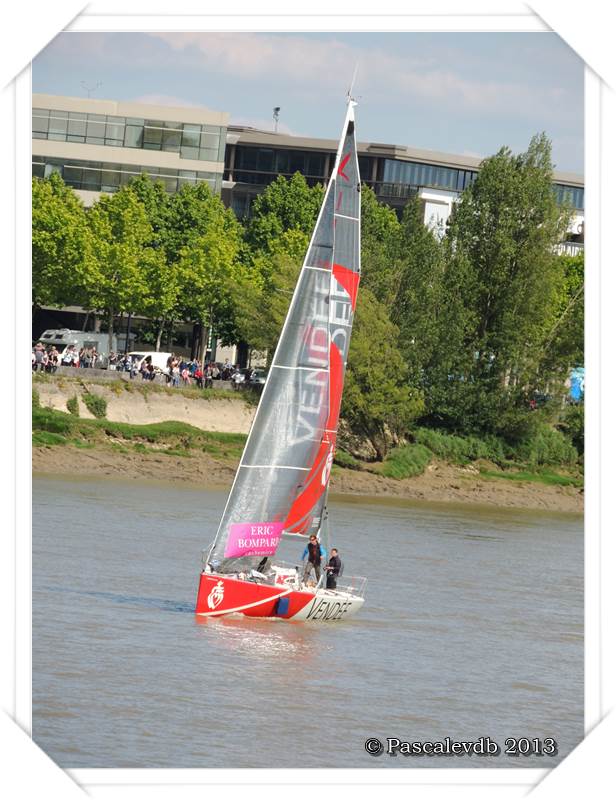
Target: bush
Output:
{"points": [[73, 405], [344, 459], [96, 405], [36, 399], [460, 449], [573, 426], [406, 461], [547, 446]]}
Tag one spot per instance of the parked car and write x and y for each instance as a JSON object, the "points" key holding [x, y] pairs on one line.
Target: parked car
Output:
{"points": [[159, 360], [257, 377]]}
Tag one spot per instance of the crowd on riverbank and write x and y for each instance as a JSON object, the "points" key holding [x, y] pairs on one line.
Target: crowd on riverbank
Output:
{"points": [[178, 371]]}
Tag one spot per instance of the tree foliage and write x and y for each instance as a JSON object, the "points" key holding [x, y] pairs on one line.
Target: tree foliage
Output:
{"points": [[61, 245], [501, 284], [380, 238], [286, 205], [125, 260], [377, 399]]}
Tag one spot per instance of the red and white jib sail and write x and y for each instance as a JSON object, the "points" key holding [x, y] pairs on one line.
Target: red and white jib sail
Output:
{"points": [[282, 479]]}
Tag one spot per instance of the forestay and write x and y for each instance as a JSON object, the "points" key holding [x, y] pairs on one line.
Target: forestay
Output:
{"points": [[281, 482]]}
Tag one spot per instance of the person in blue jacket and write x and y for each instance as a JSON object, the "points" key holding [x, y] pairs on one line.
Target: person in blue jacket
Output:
{"points": [[316, 554]]}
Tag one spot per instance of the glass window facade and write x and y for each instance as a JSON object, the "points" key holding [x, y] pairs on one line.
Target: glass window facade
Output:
{"points": [[411, 173], [403, 178], [97, 176], [279, 162], [573, 195], [197, 142]]}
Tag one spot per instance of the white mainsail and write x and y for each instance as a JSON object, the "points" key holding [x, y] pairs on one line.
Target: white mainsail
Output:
{"points": [[281, 482]]}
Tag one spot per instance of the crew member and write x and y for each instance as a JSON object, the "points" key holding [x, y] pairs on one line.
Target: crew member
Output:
{"points": [[315, 552], [333, 568]]}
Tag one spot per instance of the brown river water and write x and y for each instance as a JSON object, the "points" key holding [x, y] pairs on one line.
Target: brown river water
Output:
{"points": [[472, 627]]}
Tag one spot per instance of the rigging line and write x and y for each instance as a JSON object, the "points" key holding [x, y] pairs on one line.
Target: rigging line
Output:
{"points": [[345, 216]]}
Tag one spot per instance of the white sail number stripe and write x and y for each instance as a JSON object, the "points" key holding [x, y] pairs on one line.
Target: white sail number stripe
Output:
{"points": [[272, 466], [308, 369]]}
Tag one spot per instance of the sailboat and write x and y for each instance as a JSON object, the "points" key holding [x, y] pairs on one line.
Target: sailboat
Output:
{"points": [[281, 484]]}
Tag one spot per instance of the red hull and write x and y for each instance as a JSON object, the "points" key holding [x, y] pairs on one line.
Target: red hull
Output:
{"points": [[220, 595]]}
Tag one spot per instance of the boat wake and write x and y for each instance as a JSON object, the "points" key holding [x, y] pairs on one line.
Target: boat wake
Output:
{"points": [[160, 603]]}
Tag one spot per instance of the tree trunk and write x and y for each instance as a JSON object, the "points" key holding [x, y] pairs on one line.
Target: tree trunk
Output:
{"points": [[110, 330], [378, 439], [196, 340], [203, 340], [160, 335]]}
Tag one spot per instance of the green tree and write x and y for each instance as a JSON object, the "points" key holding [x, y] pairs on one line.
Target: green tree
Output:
{"points": [[418, 293], [191, 213], [156, 203], [377, 401], [286, 204], [261, 308], [276, 241], [125, 262], [501, 284], [62, 263], [164, 278], [210, 269], [563, 347], [380, 239]]}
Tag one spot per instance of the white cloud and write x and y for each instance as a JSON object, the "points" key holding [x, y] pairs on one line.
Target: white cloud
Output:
{"points": [[327, 65]]}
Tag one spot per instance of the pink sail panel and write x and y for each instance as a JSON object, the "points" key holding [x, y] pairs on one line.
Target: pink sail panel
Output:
{"points": [[253, 539]]}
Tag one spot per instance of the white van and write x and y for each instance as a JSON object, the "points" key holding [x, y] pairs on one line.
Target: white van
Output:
{"points": [[62, 338], [159, 360]]}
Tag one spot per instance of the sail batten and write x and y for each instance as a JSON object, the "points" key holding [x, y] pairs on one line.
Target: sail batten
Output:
{"points": [[293, 435]]}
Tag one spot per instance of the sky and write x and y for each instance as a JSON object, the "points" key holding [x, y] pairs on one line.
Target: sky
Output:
{"points": [[462, 93]]}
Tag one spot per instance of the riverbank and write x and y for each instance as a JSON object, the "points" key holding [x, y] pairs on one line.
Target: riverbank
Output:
{"points": [[196, 438], [440, 483]]}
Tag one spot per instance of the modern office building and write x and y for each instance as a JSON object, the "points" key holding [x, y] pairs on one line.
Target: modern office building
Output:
{"points": [[254, 158], [99, 145]]}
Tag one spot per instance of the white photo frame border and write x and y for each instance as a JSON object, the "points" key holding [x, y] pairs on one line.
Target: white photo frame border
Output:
{"points": [[598, 99]]}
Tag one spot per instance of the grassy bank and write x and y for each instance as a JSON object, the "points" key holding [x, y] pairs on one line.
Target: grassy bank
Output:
{"points": [[548, 460], [548, 457], [65, 444], [55, 428]]}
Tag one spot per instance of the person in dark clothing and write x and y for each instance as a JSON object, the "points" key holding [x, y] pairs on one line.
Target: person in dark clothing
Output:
{"points": [[315, 553], [333, 569]]}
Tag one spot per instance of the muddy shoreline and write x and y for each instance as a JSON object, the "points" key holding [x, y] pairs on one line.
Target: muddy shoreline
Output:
{"points": [[441, 483]]}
